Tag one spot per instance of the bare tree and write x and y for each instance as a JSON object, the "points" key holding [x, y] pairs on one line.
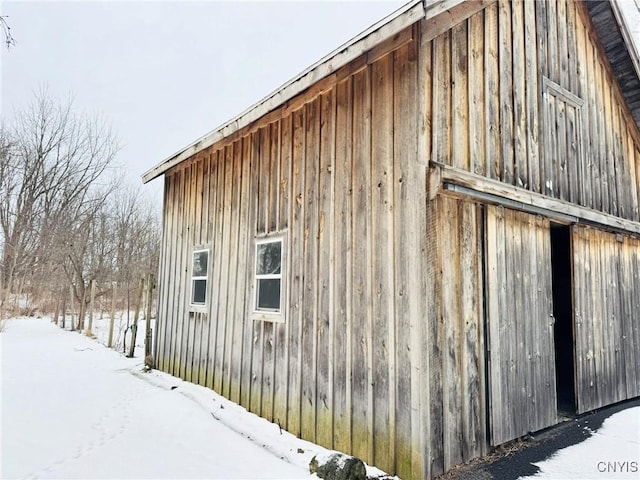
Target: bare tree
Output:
{"points": [[66, 218], [51, 161]]}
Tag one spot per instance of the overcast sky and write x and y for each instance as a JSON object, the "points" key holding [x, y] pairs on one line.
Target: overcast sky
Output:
{"points": [[165, 73]]}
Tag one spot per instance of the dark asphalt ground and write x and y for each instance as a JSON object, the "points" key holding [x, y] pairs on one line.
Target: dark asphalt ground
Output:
{"points": [[516, 459]]}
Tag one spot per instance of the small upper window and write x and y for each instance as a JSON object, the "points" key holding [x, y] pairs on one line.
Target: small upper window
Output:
{"points": [[268, 280], [199, 276]]}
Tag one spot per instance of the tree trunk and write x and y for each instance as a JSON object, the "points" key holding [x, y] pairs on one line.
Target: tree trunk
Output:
{"points": [[112, 314], [92, 298]]}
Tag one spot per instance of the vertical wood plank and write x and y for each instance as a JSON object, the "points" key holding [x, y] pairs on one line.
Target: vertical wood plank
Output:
{"points": [[171, 232], [493, 149], [361, 432], [342, 257], [217, 181], [494, 272], [460, 97], [532, 96], [234, 255], [574, 153], [205, 239], [326, 266], [583, 89], [441, 108], [450, 321], [544, 162], [185, 271], [419, 353], [506, 90], [296, 273], [226, 156], [594, 130], [560, 156], [242, 312], [520, 106], [603, 132], [310, 256], [409, 186], [563, 49], [473, 420], [253, 343], [433, 342], [477, 129], [383, 332], [281, 381]]}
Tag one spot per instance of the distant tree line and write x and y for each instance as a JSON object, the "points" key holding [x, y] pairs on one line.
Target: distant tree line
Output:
{"points": [[67, 217]]}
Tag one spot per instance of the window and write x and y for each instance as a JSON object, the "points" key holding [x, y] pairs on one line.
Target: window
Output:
{"points": [[268, 276], [199, 276]]}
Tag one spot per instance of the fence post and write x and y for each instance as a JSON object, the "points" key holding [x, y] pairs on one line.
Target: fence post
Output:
{"points": [[72, 306], [112, 315], [151, 283], [92, 297], [136, 315]]}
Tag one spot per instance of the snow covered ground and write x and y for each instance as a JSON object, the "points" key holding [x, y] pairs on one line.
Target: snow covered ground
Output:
{"points": [[71, 408], [612, 452]]}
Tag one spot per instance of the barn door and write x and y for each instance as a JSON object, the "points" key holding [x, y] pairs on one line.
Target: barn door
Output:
{"points": [[522, 396]]}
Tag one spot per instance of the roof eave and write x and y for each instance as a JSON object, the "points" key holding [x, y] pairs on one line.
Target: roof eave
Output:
{"points": [[627, 36], [385, 28]]}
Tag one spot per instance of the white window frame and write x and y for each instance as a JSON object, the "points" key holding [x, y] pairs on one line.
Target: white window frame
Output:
{"points": [[263, 314], [200, 306]]}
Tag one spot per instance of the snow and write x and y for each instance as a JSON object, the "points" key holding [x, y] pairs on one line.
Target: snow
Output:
{"points": [[72, 408], [613, 451]]}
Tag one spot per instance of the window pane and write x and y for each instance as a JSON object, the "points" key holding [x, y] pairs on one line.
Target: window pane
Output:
{"points": [[198, 292], [200, 261], [269, 294], [268, 258]]}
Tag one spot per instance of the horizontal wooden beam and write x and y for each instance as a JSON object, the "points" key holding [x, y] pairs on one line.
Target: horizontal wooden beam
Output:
{"points": [[487, 190]]}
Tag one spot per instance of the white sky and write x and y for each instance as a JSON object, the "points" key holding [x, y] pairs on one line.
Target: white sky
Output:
{"points": [[165, 73]]}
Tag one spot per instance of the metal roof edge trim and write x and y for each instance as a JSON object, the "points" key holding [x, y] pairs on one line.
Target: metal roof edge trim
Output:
{"points": [[385, 28], [626, 35]]}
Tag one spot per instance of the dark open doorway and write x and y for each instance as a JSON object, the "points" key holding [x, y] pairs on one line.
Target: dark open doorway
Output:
{"points": [[563, 313]]}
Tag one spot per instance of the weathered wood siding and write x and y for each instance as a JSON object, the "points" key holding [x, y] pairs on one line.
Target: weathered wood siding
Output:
{"points": [[337, 172], [606, 272], [457, 371], [522, 380], [522, 92]]}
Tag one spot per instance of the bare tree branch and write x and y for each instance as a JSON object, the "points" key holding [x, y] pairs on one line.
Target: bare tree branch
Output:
{"points": [[9, 41]]}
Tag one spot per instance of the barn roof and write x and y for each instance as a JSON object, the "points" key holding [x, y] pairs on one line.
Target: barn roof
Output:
{"points": [[615, 35], [606, 17]]}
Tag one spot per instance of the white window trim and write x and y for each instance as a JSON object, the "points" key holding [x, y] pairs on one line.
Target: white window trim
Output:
{"points": [[266, 315], [200, 306]]}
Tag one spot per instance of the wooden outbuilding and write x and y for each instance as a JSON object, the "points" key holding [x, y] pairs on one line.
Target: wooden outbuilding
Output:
{"points": [[425, 245]]}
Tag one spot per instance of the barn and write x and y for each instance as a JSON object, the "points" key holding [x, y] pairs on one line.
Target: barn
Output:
{"points": [[425, 245]]}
